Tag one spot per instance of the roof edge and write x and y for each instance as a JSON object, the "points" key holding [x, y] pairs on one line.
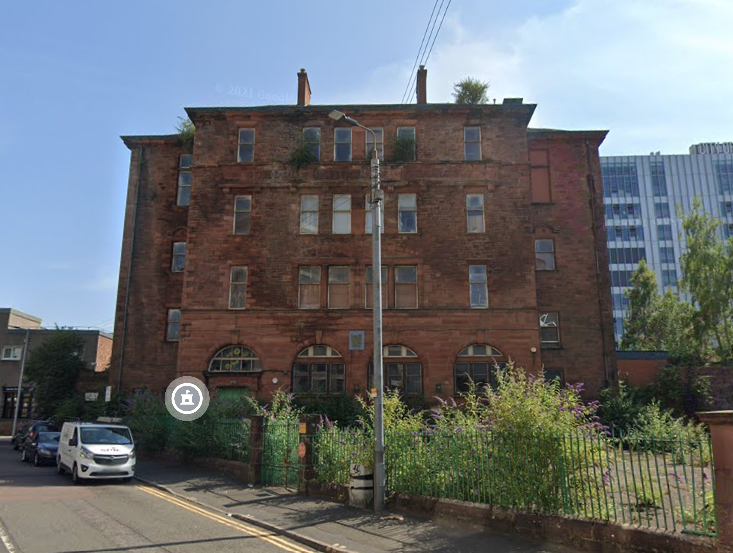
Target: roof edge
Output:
{"points": [[133, 141]]}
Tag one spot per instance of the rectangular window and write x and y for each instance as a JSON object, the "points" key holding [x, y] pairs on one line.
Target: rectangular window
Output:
{"points": [[174, 325], [621, 279], [312, 141], [631, 211], [246, 151], [309, 215], [659, 181], [726, 209], [369, 301], [338, 287], [238, 288], [728, 231], [184, 179], [620, 178], [478, 290], [620, 301], [405, 148], [666, 254], [407, 213], [179, 257], [669, 277], [724, 176], [626, 255], [472, 143], [342, 214], [475, 212], [369, 146], [405, 287], [342, 144], [544, 252], [664, 232], [12, 353], [549, 330], [309, 292], [539, 176], [242, 214], [661, 209], [368, 214]]}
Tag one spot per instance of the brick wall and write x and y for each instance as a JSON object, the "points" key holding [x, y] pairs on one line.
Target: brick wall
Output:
{"points": [[273, 326]]}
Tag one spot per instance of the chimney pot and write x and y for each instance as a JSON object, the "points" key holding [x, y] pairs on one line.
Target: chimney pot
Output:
{"points": [[422, 85], [304, 89]]}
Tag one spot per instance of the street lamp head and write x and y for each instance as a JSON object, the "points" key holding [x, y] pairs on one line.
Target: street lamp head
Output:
{"points": [[340, 116]]}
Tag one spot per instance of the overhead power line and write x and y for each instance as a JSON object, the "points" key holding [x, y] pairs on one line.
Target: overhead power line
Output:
{"points": [[417, 57]]}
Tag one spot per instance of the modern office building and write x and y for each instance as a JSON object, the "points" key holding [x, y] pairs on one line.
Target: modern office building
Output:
{"points": [[247, 255], [642, 195]]}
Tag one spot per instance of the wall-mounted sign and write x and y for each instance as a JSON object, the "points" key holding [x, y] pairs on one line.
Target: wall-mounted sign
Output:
{"points": [[356, 340], [91, 396], [712, 148]]}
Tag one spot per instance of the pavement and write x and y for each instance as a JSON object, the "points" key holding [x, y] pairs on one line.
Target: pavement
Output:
{"points": [[325, 525]]}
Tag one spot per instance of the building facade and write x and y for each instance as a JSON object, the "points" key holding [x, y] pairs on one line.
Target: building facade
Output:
{"points": [[15, 328], [247, 263], [642, 197]]}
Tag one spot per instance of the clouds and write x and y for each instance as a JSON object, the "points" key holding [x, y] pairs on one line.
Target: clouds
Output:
{"points": [[656, 73]]}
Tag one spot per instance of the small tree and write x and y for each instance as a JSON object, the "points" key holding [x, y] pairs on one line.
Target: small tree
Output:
{"points": [[470, 91], [642, 298], [707, 266], [54, 368], [186, 130]]}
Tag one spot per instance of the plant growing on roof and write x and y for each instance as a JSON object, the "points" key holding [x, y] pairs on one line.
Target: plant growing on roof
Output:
{"points": [[186, 130], [470, 91]]}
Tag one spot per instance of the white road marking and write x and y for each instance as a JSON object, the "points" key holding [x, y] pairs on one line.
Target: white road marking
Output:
{"points": [[5, 538]]}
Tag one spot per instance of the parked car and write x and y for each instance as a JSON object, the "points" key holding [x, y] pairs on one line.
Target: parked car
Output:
{"points": [[31, 429], [42, 449], [96, 451]]}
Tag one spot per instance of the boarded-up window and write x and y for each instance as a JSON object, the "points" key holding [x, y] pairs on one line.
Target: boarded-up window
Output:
{"points": [[338, 287], [539, 161]]}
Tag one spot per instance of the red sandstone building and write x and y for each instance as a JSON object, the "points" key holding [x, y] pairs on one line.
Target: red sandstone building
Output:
{"points": [[247, 267]]}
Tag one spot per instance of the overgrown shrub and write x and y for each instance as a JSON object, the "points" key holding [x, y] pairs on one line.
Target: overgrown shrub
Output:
{"points": [[149, 421], [681, 390], [619, 408], [403, 149], [342, 409]]}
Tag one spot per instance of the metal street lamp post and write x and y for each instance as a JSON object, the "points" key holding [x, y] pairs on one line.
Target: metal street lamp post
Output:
{"points": [[375, 200], [20, 380]]}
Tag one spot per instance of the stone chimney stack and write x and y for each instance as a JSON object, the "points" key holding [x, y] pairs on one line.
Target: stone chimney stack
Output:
{"points": [[422, 85], [304, 89]]}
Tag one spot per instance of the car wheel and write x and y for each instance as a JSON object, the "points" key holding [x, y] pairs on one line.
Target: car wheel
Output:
{"points": [[23, 457], [36, 460], [75, 478], [59, 468]]}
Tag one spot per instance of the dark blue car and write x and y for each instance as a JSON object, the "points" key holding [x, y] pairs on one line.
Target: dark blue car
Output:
{"points": [[40, 449]]}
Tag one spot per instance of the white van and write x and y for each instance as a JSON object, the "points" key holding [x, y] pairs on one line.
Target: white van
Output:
{"points": [[96, 451]]}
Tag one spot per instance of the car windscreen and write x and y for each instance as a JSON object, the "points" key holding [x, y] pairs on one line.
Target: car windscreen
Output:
{"points": [[46, 428], [105, 435], [48, 437]]}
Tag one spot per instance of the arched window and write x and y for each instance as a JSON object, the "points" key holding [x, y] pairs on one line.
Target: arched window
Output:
{"points": [[476, 363], [319, 370], [402, 370], [235, 359]]}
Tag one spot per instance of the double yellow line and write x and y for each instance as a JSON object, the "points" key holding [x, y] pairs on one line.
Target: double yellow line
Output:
{"points": [[226, 521]]}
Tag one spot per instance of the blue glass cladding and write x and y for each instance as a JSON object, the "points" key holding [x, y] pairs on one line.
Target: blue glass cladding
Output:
{"points": [[659, 181], [724, 176], [620, 178], [625, 233], [626, 255]]}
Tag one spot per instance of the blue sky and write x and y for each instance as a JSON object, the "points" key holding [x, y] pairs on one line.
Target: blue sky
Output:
{"points": [[76, 75]]}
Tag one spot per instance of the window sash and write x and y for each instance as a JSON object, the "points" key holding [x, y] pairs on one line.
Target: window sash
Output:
{"points": [[478, 289], [237, 287], [309, 289], [406, 287], [312, 140], [472, 143], [246, 146], [342, 144], [409, 133], [309, 214], [341, 214], [407, 213], [319, 378], [475, 213], [173, 326], [185, 177], [549, 329], [544, 254], [338, 287], [178, 261], [242, 214]]}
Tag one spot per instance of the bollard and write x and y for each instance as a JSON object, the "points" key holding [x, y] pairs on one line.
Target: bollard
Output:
{"points": [[361, 486]]}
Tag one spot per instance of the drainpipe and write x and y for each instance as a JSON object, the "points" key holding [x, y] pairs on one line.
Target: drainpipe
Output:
{"points": [[140, 151], [592, 190]]}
